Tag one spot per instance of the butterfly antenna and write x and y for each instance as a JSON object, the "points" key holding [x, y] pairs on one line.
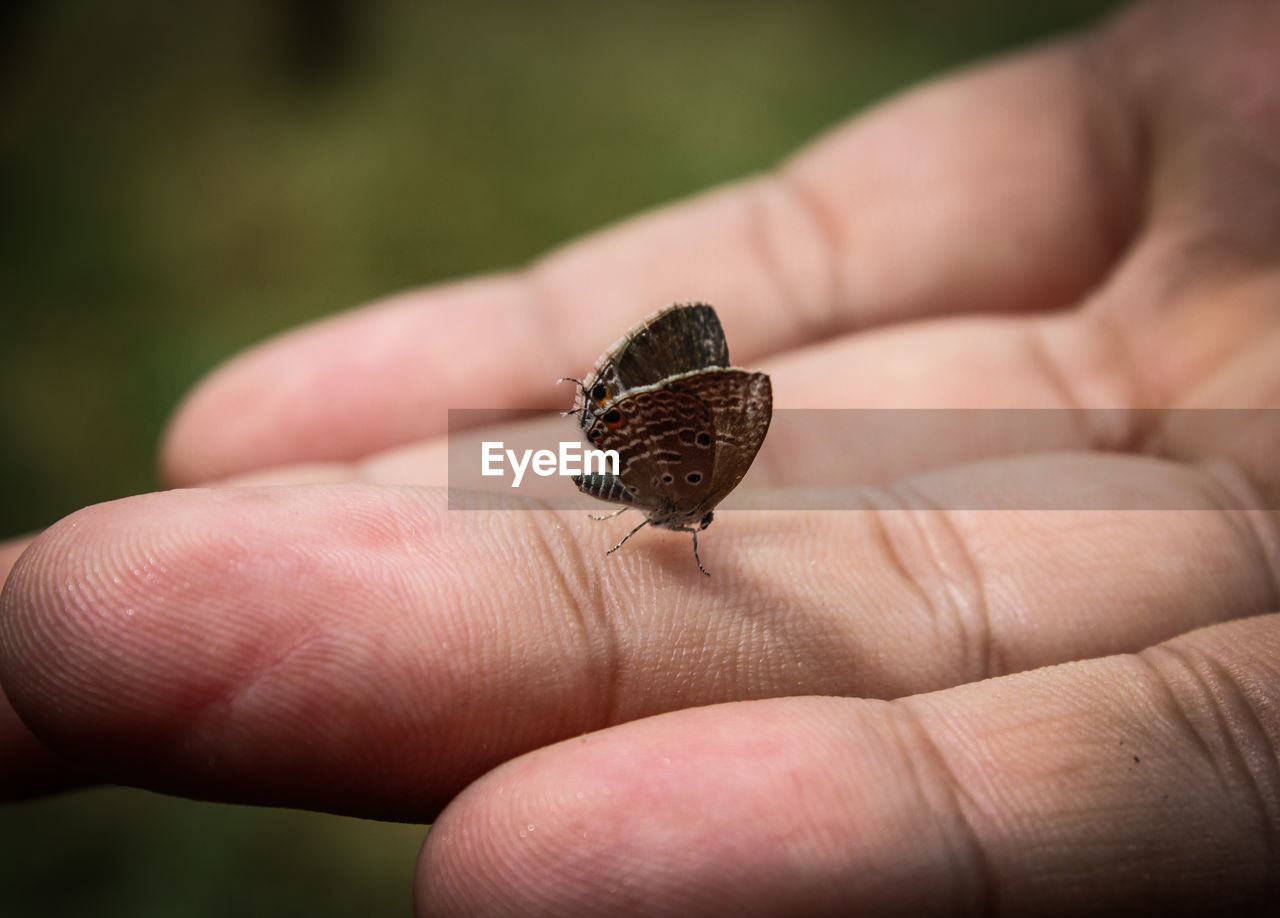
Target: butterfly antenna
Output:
{"points": [[582, 388], [643, 523]]}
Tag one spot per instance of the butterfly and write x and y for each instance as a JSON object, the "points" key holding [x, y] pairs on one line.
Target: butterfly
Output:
{"points": [[686, 425]]}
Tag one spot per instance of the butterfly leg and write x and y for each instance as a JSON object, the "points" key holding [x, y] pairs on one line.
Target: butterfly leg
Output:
{"points": [[695, 547], [695, 553], [609, 516], [643, 523]]}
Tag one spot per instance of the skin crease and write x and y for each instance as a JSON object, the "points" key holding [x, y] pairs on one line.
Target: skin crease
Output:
{"points": [[901, 710]]}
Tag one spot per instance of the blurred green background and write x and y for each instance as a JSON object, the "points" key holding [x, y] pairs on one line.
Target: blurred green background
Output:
{"points": [[178, 181]]}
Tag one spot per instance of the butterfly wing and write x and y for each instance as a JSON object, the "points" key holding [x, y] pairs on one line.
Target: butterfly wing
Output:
{"points": [[683, 444], [680, 338], [741, 406], [666, 444]]}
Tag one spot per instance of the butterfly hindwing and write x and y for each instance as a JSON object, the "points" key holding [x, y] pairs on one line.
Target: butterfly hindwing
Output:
{"points": [[666, 445], [686, 442], [741, 405]]}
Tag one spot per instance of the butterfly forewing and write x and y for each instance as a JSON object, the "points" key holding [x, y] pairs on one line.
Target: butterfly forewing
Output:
{"points": [[677, 339]]}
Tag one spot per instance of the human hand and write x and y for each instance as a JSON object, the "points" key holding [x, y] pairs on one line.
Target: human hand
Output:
{"points": [[1089, 225]]}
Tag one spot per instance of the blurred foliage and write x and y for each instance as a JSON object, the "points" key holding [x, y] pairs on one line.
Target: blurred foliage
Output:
{"points": [[178, 181], [116, 852]]}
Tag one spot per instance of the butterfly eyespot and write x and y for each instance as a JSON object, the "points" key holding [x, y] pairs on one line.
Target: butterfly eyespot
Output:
{"points": [[599, 392], [704, 439], [594, 434], [612, 419], [668, 478], [693, 477]]}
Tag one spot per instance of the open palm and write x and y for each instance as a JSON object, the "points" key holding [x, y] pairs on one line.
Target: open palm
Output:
{"points": [[858, 713]]}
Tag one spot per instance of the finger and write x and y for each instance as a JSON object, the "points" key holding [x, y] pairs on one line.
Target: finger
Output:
{"points": [[27, 767], [946, 364], [1135, 784], [366, 650], [10, 549], [824, 245], [1188, 302], [1050, 173], [853, 408], [1139, 344]]}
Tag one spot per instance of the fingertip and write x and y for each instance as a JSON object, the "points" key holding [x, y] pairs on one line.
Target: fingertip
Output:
{"points": [[237, 418], [133, 633], [10, 551], [721, 810], [83, 607], [28, 768], [353, 385], [303, 646]]}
